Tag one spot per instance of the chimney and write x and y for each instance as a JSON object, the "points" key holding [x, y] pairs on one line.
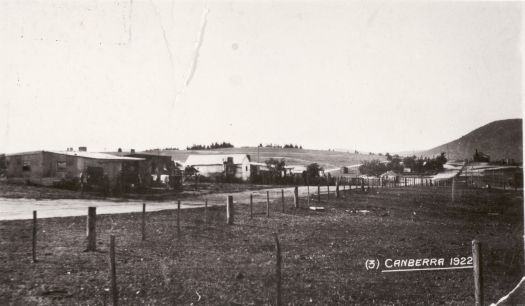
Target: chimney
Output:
{"points": [[132, 151], [82, 149]]}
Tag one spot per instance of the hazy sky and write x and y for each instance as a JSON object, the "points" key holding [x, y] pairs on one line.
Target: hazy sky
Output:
{"points": [[323, 74]]}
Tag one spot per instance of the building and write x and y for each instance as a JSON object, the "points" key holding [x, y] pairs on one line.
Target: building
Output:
{"points": [[156, 170], [221, 165], [259, 168], [481, 157], [50, 168], [390, 176]]}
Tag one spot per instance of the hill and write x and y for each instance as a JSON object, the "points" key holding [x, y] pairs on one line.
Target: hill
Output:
{"points": [[500, 139], [327, 159]]}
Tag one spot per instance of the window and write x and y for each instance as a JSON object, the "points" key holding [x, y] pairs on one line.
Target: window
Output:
{"points": [[26, 166], [61, 166]]}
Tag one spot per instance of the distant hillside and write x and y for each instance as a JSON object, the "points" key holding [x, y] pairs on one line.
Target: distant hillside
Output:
{"points": [[327, 159], [499, 139]]}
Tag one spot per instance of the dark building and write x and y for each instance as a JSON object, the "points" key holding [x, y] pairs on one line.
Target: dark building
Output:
{"points": [[481, 157], [50, 168]]}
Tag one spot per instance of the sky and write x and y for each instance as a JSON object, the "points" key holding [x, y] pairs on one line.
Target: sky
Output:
{"points": [[371, 76]]}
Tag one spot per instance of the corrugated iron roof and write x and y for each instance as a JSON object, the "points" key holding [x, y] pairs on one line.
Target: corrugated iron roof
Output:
{"points": [[93, 155], [214, 159], [25, 153]]}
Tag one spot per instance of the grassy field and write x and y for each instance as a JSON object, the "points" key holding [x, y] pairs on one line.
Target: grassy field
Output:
{"points": [[323, 253], [327, 159]]}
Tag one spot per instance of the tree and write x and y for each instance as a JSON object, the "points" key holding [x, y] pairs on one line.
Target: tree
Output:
{"points": [[275, 165], [3, 164], [441, 159], [190, 171], [312, 170], [374, 167]]}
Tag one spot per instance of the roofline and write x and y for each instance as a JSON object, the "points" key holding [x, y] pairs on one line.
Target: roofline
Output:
{"points": [[25, 153], [116, 157]]}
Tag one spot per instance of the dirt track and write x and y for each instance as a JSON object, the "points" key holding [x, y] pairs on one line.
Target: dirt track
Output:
{"points": [[21, 208]]}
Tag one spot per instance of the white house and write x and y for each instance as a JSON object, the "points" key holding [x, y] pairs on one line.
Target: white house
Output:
{"points": [[210, 165], [390, 176]]}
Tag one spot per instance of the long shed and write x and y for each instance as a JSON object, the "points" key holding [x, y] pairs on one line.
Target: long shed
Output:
{"points": [[50, 167]]}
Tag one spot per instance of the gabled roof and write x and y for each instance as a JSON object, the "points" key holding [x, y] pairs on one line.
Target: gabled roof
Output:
{"points": [[214, 159], [93, 155], [389, 173]]}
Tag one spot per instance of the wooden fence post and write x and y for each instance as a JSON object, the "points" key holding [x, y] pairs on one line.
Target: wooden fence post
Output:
{"points": [[328, 190], [318, 193], [34, 236], [251, 205], [308, 194], [143, 225], [337, 189], [229, 210], [278, 269], [478, 272], [453, 189], [178, 217], [282, 199], [113, 270], [267, 204], [92, 229], [296, 197], [206, 212]]}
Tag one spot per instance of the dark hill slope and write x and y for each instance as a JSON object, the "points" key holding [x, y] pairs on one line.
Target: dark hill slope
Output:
{"points": [[499, 139]]}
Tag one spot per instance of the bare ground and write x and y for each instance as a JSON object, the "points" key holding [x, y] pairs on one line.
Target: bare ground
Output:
{"points": [[323, 253]]}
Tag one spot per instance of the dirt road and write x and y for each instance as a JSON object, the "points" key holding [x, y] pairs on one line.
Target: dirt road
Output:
{"points": [[19, 209]]}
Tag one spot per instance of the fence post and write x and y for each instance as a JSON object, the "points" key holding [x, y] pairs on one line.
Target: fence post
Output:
{"points": [[251, 205], [282, 198], [278, 268], [362, 184], [113, 270], [206, 212], [328, 190], [318, 193], [478, 275], [296, 197], [34, 235], [337, 189], [178, 217], [308, 194], [143, 225], [92, 229], [453, 189], [229, 210], [267, 204]]}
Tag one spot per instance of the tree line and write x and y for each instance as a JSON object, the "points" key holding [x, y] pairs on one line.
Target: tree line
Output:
{"points": [[212, 146], [396, 163], [277, 146]]}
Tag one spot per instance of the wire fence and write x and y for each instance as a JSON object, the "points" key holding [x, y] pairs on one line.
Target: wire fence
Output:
{"points": [[161, 258]]}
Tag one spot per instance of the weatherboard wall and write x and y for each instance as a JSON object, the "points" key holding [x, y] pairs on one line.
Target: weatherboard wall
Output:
{"points": [[44, 168]]}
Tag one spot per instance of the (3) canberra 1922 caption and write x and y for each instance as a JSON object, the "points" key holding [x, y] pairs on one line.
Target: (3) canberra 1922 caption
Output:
{"points": [[419, 264]]}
